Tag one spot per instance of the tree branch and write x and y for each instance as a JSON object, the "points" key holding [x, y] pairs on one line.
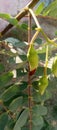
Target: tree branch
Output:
{"points": [[20, 15]]}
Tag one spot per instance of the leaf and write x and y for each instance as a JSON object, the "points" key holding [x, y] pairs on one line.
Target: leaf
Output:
{"points": [[39, 110], [24, 26], [9, 18], [2, 68], [5, 79], [3, 120], [39, 8], [39, 127], [21, 72], [10, 93], [16, 103], [18, 128], [38, 40], [37, 120], [22, 119], [51, 10], [40, 71], [56, 33], [38, 98], [13, 91], [54, 112], [15, 42]]}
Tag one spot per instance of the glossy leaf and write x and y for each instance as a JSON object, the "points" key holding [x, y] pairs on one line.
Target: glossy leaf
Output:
{"points": [[22, 119], [3, 120]]}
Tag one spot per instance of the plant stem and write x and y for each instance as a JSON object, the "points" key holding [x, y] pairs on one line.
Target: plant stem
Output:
{"points": [[29, 78], [46, 61], [52, 42], [34, 17], [20, 15]]}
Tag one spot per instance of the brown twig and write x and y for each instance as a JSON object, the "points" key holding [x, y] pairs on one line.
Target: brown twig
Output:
{"points": [[20, 15]]}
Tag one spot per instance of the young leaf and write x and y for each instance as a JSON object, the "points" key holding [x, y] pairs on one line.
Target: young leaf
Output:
{"points": [[51, 10], [39, 8], [9, 18], [32, 58], [22, 119]]}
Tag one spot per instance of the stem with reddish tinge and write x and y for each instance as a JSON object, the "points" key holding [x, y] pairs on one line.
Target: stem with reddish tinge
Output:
{"points": [[29, 77]]}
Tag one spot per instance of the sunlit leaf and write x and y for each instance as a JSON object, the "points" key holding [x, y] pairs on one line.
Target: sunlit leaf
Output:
{"points": [[39, 8], [51, 10], [9, 18]]}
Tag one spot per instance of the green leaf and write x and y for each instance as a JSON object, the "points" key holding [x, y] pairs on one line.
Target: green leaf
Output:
{"points": [[2, 68], [39, 127], [51, 10], [13, 91], [9, 18], [37, 120], [10, 93], [22, 119], [24, 26], [54, 112], [38, 41], [15, 42], [41, 50], [40, 71], [39, 110], [39, 8], [17, 128], [3, 120], [5, 79], [21, 72], [38, 98], [56, 33], [15, 104]]}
